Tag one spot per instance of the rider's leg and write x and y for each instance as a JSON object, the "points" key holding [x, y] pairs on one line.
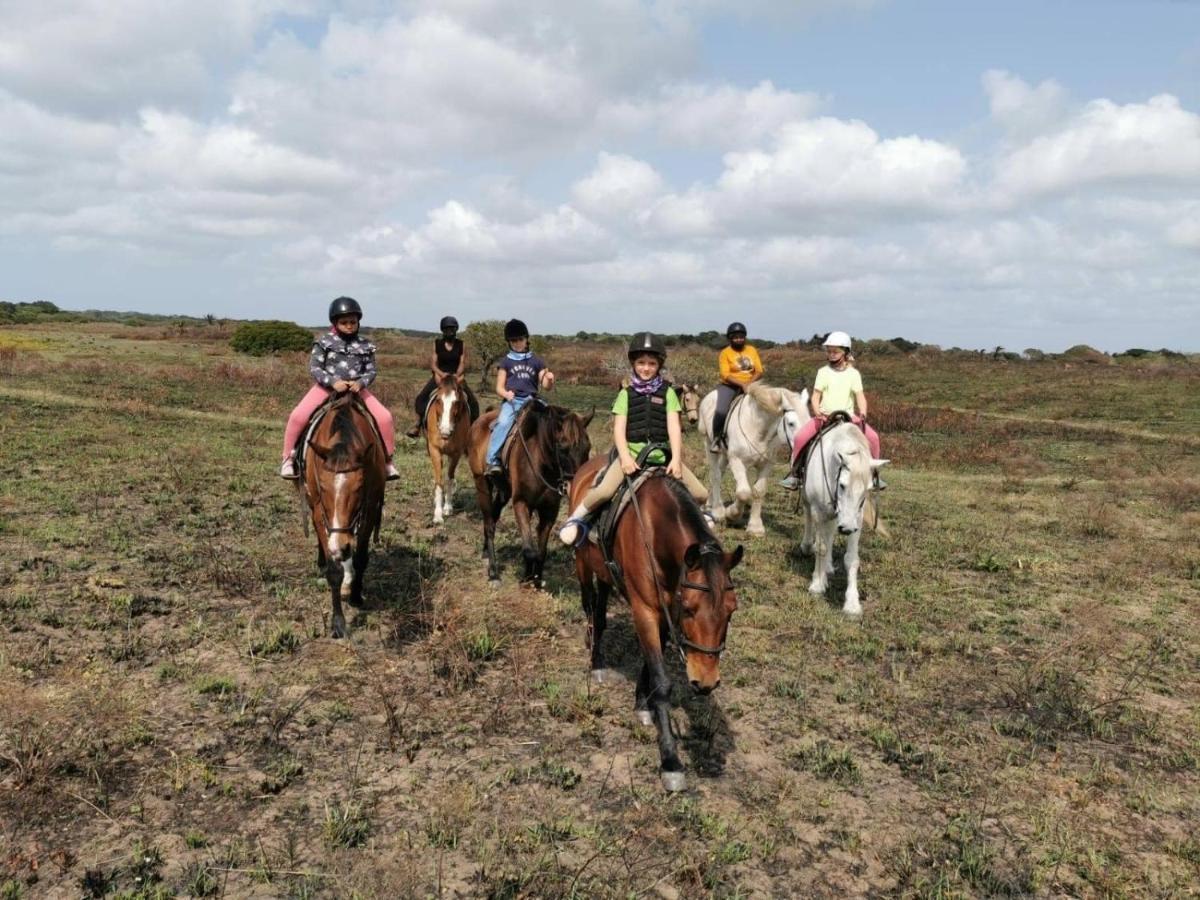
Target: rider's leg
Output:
{"points": [[387, 428], [295, 425], [420, 404], [698, 491], [504, 420], [806, 433], [725, 395], [873, 442], [577, 522]]}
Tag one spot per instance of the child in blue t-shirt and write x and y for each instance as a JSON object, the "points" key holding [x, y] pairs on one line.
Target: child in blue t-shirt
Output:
{"points": [[519, 375]]}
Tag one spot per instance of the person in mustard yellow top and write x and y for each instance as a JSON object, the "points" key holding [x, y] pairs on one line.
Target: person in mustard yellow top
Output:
{"points": [[739, 366], [838, 388]]}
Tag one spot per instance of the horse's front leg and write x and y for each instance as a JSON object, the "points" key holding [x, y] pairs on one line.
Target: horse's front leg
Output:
{"points": [[742, 491], [757, 492], [435, 460], [362, 556], [806, 543], [529, 551], [658, 697], [448, 481], [716, 469], [334, 575], [489, 510], [851, 607], [546, 517], [823, 562], [596, 626]]}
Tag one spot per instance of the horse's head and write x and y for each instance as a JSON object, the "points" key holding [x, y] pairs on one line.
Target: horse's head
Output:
{"points": [[855, 470], [349, 473], [571, 436], [448, 404], [689, 397], [708, 601]]}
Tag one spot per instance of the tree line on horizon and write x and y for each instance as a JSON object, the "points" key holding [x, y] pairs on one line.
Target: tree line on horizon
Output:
{"points": [[486, 337]]}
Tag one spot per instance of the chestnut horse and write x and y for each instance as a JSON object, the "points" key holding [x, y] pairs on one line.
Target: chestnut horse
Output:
{"points": [[447, 421], [344, 477], [548, 446], [675, 576]]}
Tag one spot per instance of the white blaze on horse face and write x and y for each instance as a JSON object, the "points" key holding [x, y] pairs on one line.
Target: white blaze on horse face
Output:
{"points": [[339, 484], [853, 484], [446, 422]]}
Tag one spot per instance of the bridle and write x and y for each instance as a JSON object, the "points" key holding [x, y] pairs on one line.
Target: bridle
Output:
{"points": [[559, 453], [681, 640]]}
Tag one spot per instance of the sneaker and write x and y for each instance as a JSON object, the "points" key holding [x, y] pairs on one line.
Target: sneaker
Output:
{"points": [[392, 474], [574, 532], [716, 446], [709, 519], [288, 469], [414, 432], [791, 483], [880, 484]]}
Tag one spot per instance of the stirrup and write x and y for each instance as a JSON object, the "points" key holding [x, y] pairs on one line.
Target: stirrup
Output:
{"points": [[582, 527], [791, 483]]}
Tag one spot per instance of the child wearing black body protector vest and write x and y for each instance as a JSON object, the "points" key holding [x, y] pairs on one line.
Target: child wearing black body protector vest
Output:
{"points": [[647, 412]]}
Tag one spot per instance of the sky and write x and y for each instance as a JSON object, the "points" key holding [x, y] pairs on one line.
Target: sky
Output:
{"points": [[1016, 174]]}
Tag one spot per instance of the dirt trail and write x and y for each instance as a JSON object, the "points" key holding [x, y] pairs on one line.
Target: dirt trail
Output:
{"points": [[131, 406], [1110, 427]]}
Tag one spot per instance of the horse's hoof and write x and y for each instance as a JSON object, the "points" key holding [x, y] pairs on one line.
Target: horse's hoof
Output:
{"points": [[756, 532], [493, 583], [854, 615], [645, 717], [602, 676], [816, 591], [674, 781]]}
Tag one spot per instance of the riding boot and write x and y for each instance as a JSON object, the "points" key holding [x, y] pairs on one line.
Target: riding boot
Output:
{"points": [[574, 532], [795, 476]]}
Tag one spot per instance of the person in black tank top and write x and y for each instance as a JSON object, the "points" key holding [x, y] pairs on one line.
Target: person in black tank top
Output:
{"points": [[449, 357]]}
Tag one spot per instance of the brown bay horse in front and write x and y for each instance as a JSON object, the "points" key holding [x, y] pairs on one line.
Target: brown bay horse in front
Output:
{"points": [[549, 445], [447, 423], [676, 578], [344, 477]]}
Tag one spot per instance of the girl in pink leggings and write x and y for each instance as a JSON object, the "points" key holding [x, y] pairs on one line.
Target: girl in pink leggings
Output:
{"points": [[838, 388], [341, 361]]}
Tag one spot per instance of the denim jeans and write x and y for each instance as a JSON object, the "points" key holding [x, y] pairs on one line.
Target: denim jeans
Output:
{"points": [[504, 421]]}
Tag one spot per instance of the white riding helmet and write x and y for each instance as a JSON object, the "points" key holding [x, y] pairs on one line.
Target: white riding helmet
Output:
{"points": [[837, 339]]}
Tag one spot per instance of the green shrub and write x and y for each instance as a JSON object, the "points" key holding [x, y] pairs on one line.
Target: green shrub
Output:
{"points": [[261, 338]]}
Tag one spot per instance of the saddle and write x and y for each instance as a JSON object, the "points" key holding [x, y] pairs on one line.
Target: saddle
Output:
{"points": [[834, 420], [315, 420], [605, 531], [737, 401]]}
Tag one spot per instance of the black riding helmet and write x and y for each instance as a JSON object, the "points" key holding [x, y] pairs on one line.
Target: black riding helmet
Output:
{"points": [[448, 323], [735, 328], [514, 329], [645, 342], [344, 306]]}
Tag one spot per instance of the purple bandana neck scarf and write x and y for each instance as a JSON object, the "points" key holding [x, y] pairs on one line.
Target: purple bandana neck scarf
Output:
{"points": [[645, 387]]}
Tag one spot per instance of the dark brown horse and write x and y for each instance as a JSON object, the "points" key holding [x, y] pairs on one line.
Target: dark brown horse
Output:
{"points": [[549, 445], [344, 477], [676, 578]]}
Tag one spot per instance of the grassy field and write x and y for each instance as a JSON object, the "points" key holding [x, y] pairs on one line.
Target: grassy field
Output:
{"points": [[1017, 713]]}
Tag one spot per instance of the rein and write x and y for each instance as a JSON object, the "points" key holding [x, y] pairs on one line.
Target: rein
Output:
{"points": [[680, 639], [564, 477], [358, 513]]}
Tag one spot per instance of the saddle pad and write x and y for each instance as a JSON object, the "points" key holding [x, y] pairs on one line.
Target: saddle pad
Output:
{"points": [[315, 420]]}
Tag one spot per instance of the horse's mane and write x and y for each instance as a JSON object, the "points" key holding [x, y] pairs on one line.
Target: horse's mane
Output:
{"points": [[768, 397], [350, 443], [690, 513]]}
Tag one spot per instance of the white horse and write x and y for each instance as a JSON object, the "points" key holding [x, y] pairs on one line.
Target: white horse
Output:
{"points": [[758, 425], [837, 491]]}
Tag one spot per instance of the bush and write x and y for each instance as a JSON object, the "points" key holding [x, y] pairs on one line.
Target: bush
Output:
{"points": [[261, 338]]}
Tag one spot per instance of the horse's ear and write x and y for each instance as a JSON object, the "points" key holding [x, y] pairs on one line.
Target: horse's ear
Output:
{"points": [[691, 556], [588, 418], [732, 559], [877, 464]]}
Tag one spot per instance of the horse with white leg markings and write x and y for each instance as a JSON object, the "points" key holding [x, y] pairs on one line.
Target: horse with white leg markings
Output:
{"points": [[447, 424], [837, 494], [758, 424]]}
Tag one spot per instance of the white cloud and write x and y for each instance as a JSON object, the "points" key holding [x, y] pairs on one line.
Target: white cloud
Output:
{"points": [[1156, 141], [1024, 110], [619, 185], [717, 115]]}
